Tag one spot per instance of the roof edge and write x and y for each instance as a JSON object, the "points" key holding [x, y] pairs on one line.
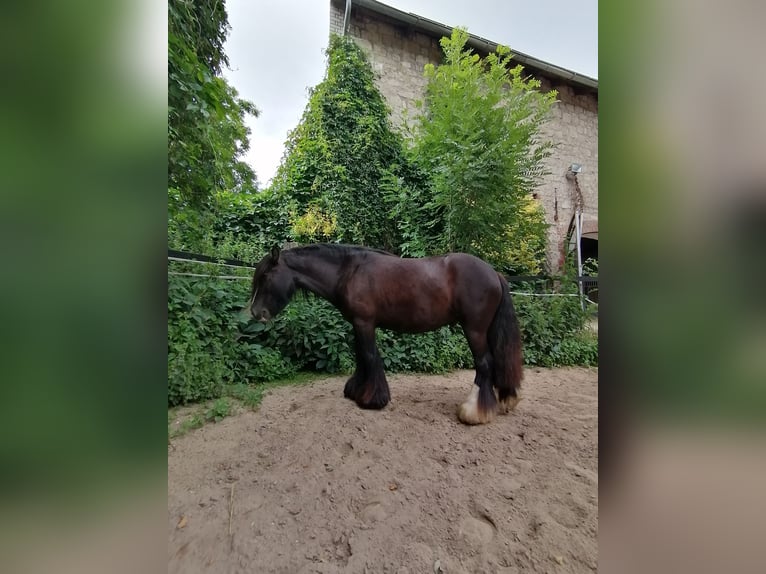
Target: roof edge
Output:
{"points": [[438, 29]]}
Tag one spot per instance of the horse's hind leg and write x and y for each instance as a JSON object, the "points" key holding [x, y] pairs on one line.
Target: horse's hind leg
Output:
{"points": [[508, 396], [481, 405], [504, 339]]}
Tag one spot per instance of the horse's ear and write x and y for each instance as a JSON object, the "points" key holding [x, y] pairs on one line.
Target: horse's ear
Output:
{"points": [[275, 254]]}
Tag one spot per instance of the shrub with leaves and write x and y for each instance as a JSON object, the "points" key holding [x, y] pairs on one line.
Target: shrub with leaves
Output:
{"points": [[553, 328], [313, 335], [205, 347], [478, 139], [233, 225], [211, 346], [434, 352]]}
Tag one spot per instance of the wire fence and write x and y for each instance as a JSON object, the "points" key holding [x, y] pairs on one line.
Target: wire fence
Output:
{"points": [[537, 285], [206, 275], [551, 286], [185, 263]]}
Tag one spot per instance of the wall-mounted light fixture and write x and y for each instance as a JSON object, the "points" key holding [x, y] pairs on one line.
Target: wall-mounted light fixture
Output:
{"points": [[575, 168]]}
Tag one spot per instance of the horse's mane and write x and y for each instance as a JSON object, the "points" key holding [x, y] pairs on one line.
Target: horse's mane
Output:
{"points": [[330, 252], [334, 251]]}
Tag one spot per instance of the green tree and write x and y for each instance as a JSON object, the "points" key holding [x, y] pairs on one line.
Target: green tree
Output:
{"points": [[339, 154], [478, 137], [206, 117]]}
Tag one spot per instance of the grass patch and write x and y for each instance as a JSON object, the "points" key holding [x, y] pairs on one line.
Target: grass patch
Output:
{"points": [[251, 395], [220, 409], [235, 397], [181, 420]]}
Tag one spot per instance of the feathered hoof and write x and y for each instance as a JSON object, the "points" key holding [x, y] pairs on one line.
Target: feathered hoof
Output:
{"points": [[471, 414]]}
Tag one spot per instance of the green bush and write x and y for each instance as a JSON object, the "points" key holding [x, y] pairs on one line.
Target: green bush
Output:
{"points": [[311, 334], [578, 349], [553, 330], [435, 352], [205, 347], [196, 367], [210, 344], [479, 136]]}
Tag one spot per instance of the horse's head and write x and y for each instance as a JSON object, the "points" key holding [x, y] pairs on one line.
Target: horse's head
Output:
{"points": [[273, 286]]}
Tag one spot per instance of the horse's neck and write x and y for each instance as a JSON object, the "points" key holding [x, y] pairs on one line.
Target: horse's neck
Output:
{"points": [[318, 276]]}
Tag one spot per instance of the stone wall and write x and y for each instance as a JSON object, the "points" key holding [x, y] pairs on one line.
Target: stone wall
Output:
{"points": [[336, 19], [398, 54], [573, 127]]}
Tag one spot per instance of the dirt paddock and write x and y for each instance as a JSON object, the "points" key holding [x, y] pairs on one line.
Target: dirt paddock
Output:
{"points": [[311, 483]]}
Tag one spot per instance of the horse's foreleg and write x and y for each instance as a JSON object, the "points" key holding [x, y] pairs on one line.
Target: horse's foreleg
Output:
{"points": [[355, 385], [481, 405], [371, 385]]}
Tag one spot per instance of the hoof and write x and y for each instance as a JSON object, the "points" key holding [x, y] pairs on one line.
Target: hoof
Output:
{"points": [[373, 396], [470, 413], [376, 403], [349, 391], [507, 404]]}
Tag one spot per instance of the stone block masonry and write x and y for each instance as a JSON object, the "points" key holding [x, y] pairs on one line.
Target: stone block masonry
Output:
{"points": [[336, 19]]}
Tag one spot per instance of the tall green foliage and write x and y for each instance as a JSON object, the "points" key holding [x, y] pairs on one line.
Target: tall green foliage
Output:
{"points": [[337, 157], [205, 349], [231, 226], [478, 138], [206, 117]]}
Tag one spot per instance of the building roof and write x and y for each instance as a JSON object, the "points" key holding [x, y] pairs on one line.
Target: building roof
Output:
{"points": [[437, 30]]}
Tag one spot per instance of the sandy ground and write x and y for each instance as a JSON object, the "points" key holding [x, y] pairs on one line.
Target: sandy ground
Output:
{"points": [[311, 483]]}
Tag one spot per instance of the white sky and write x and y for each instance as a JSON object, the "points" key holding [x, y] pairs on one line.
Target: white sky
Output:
{"points": [[276, 47]]}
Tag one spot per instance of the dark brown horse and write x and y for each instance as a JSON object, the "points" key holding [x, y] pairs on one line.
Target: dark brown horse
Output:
{"points": [[373, 288]]}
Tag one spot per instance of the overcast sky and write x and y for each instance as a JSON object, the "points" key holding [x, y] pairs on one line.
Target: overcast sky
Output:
{"points": [[275, 50]]}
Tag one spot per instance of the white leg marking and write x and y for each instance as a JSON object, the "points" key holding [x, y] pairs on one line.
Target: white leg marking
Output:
{"points": [[469, 413]]}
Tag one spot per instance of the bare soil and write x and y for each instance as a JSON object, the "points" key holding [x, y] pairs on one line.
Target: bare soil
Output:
{"points": [[311, 483]]}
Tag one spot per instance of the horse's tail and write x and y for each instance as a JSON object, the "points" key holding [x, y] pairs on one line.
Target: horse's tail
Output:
{"points": [[504, 339]]}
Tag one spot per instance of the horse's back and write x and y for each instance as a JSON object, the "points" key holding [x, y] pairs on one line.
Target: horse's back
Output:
{"points": [[451, 272], [412, 295], [422, 294]]}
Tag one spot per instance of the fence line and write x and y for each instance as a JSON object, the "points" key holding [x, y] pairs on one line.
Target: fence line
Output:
{"points": [[248, 278], [541, 278], [199, 259], [188, 257], [209, 276], [544, 294], [182, 260]]}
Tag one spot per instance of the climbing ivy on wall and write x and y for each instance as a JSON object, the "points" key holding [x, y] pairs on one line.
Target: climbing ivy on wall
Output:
{"points": [[338, 155]]}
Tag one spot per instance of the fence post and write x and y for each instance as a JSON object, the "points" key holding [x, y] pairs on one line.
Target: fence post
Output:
{"points": [[578, 224]]}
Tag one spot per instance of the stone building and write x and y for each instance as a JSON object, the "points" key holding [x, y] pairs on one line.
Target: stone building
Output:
{"points": [[399, 44]]}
